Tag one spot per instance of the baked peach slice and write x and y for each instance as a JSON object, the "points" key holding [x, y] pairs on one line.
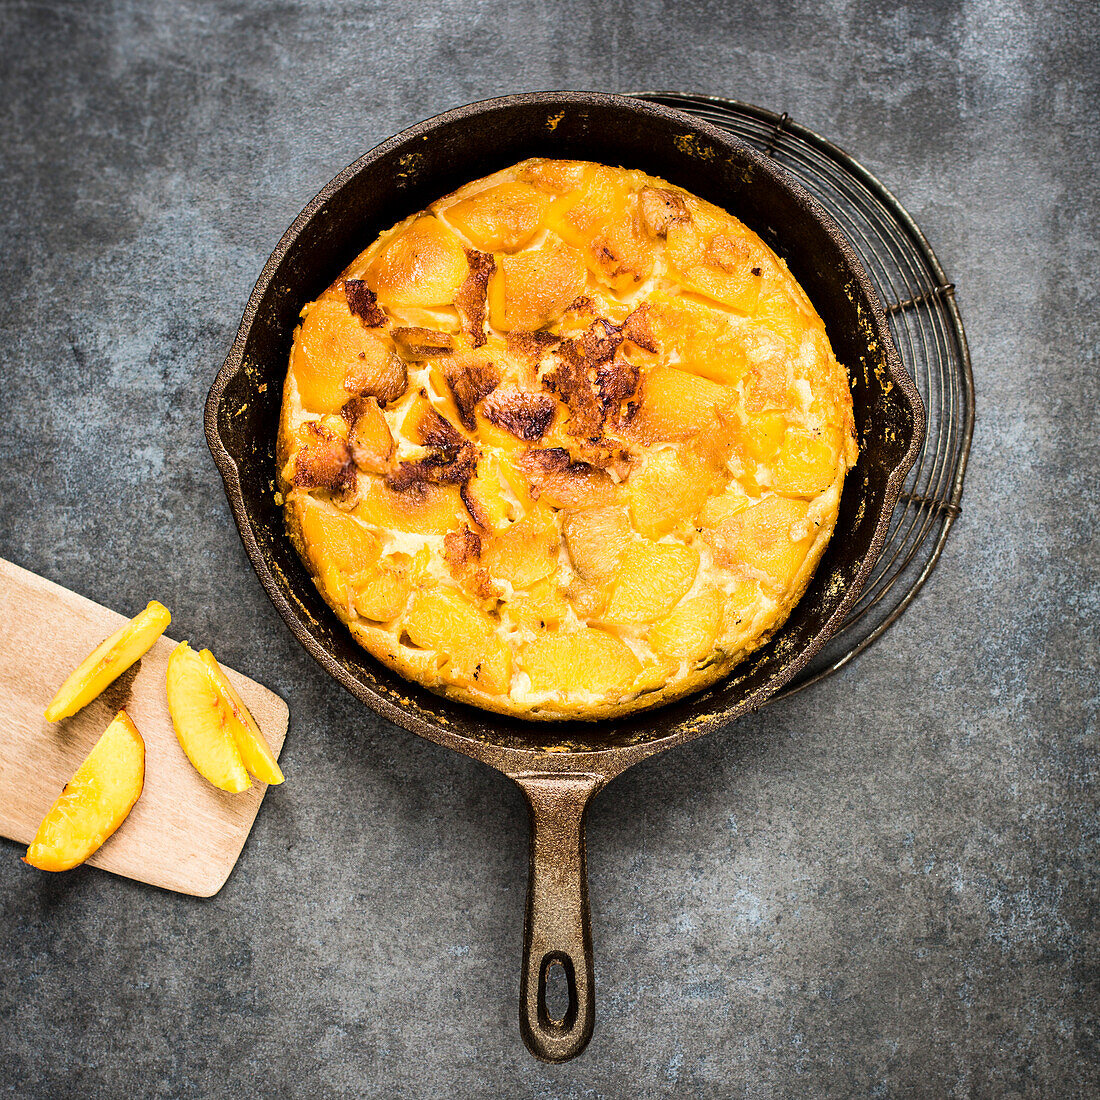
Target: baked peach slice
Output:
{"points": [[95, 801], [255, 752], [588, 660], [770, 539], [526, 552], [108, 661], [335, 358], [423, 265], [596, 539], [667, 490], [652, 578], [724, 265], [688, 633], [540, 606], [499, 219], [676, 404], [203, 723], [806, 463], [446, 621], [528, 291]]}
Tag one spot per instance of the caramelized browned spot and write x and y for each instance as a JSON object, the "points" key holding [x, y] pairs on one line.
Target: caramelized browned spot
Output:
{"points": [[382, 375], [639, 328], [570, 380], [615, 382], [470, 299], [324, 462], [351, 410], [452, 461], [590, 386], [600, 340], [471, 379], [524, 413], [530, 346], [565, 483], [461, 548], [363, 303], [437, 468], [434, 430], [659, 209], [422, 343], [607, 452], [578, 309], [462, 552], [369, 440]]}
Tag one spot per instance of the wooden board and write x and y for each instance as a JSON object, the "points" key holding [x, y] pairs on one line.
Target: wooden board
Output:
{"points": [[183, 834]]}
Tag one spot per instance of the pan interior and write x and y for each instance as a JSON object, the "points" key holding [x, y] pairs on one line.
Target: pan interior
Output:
{"points": [[406, 173]]}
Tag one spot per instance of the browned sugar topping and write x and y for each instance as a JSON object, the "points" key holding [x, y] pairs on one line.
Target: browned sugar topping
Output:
{"points": [[363, 303]]}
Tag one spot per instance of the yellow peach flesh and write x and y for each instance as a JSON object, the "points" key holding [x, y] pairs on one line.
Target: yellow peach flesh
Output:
{"points": [[95, 801], [109, 660], [203, 724], [255, 752]]}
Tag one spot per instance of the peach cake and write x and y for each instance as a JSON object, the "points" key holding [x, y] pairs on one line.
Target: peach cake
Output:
{"points": [[566, 444]]}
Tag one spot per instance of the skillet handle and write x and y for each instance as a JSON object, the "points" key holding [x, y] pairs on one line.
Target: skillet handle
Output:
{"points": [[556, 927]]}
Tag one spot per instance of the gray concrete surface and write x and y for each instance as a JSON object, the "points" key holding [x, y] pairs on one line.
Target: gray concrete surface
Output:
{"points": [[884, 887]]}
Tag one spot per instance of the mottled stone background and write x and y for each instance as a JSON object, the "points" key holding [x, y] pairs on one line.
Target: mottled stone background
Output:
{"points": [[885, 886]]}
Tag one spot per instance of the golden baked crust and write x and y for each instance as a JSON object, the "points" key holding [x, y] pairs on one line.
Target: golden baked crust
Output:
{"points": [[566, 444]]}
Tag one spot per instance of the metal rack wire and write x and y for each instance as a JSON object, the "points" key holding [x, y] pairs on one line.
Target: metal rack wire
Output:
{"points": [[927, 329]]}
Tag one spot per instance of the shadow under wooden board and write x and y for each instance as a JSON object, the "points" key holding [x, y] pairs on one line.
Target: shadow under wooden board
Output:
{"points": [[183, 834]]}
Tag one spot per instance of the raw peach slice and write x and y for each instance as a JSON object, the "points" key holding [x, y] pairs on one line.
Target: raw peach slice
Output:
{"points": [[95, 801], [203, 724], [255, 752], [109, 660]]}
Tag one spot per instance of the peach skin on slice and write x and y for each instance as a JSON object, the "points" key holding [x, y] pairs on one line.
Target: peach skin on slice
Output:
{"points": [[203, 723], [95, 801], [109, 660], [251, 743]]}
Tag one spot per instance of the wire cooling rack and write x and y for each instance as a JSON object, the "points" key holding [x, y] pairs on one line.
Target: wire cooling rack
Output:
{"points": [[927, 329]]}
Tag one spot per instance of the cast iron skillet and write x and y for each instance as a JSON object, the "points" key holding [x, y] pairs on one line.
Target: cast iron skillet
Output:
{"points": [[560, 766]]}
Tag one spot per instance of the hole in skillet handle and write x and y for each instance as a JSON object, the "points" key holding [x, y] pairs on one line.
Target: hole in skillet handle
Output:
{"points": [[557, 993]]}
